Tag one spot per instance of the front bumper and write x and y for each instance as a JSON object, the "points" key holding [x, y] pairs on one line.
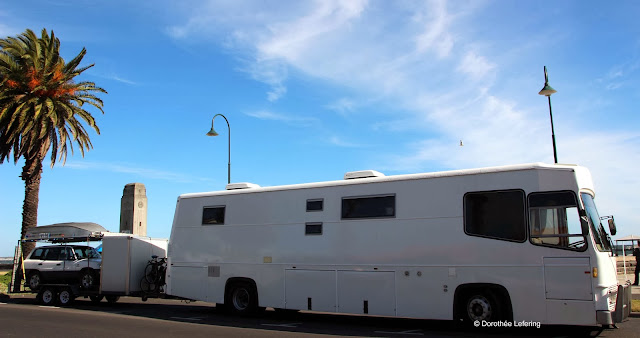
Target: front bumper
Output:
{"points": [[622, 310]]}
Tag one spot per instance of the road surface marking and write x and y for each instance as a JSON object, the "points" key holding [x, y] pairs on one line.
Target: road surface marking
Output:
{"points": [[408, 332], [186, 318], [283, 325]]}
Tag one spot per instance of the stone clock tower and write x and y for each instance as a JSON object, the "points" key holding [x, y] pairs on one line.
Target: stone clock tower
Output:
{"points": [[133, 209]]}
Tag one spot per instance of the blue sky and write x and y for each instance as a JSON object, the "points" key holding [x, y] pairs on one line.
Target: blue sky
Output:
{"points": [[313, 89]]}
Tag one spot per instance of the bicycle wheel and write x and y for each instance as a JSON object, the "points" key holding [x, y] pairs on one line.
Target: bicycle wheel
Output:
{"points": [[147, 287], [151, 273]]}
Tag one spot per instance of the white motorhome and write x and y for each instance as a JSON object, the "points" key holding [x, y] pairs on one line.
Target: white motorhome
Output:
{"points": [[518, 244]]}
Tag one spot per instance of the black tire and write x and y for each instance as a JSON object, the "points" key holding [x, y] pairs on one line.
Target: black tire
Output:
{"points": [[65, 297], [241, 299], [481, 306], [112, 299], [96, 298], [34, 280], [88, 279], [47, 296], [150, 274], [147, 287]]}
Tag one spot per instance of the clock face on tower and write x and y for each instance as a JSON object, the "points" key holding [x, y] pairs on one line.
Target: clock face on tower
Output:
{"points": [[140, 204]]}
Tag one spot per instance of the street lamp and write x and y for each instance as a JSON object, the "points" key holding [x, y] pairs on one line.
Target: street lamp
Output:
{"points": [[547, 91], [212, 132]]}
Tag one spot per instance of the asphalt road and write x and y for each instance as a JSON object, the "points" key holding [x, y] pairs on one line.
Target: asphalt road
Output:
{"points": [[130, 317]]}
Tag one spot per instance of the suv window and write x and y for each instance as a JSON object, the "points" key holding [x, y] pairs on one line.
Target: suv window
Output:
{"points": [[53, 254], [38, 253], [86, 252]]}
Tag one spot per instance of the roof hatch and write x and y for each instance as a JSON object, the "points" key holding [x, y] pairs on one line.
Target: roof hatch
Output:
{"points": [[362, 174], [241, 185]]}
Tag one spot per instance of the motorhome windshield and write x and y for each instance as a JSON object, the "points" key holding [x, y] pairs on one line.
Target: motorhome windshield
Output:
{"points": [[600, 235]]}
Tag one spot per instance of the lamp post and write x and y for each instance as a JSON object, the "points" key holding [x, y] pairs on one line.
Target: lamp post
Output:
{"points": [[547, 91], [212, 132]]}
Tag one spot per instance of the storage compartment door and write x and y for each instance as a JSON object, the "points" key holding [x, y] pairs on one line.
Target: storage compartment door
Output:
{"points": [[367, 292], [567, 278], [313, 290]]}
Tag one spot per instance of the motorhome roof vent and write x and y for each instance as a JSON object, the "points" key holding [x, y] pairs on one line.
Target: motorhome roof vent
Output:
{"points": [[362, 174], [241, 185]]}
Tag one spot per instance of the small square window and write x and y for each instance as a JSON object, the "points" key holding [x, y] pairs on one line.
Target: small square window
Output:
{"points": [[313, 229], [315, 204], [213, 215]]}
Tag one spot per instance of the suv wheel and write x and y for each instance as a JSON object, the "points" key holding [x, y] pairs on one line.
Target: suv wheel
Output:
{"points": [[34, 280], [88, 279]]}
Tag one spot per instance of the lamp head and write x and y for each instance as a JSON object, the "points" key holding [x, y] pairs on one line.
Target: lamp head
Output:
{"points": [[547, 90], [212, 132]]}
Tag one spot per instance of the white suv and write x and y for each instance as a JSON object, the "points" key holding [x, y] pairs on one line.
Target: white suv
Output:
{"points": [[73, 264]]}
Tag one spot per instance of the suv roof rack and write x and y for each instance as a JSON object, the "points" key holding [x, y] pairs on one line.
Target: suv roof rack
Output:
{"points": [[66, 232]]}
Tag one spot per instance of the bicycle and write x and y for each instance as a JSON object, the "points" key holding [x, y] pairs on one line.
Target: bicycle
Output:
{"points": [[153, 281]]}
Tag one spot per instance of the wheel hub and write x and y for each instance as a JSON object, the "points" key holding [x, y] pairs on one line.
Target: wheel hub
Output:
{"points": [[479, 308]]}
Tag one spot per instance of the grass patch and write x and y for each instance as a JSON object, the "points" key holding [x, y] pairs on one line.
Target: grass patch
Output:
{"points": [[4, 282], [635, 305]]}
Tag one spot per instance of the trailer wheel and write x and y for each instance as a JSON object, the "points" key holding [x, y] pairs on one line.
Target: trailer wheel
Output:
{"points": [[34, 280], [65, 297], [47, 296], [96, 299], [87, 279], [241, 299]]}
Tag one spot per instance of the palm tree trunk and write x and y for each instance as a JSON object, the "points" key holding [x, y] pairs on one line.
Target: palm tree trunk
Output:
{"points": [[31, 175]]}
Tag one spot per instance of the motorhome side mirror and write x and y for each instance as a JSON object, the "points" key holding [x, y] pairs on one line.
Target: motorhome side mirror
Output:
{"points": [[612, 227]]}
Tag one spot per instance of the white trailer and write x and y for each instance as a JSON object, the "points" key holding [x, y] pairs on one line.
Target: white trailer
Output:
{"points": [[519, 244]]}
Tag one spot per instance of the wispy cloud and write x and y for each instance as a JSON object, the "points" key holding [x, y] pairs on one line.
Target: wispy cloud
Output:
{"points": [[435, 35], [342, 105], [145, 173], [620, 75], [475, 65], [340, 142], [6, 30], [113, 77], [289, 119]]}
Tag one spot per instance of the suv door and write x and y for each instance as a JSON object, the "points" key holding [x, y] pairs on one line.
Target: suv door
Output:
{"points": [[52, 267], [71, 266]]}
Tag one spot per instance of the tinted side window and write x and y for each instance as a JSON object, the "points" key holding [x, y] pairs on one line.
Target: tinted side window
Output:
{"points": [[53, 254], [313, 228], [213, 215], [37, 254], [369, 207], [315, 205], [495, 214]]}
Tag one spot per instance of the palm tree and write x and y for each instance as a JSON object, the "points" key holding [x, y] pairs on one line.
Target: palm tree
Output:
{"points": [[41, 110]]}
